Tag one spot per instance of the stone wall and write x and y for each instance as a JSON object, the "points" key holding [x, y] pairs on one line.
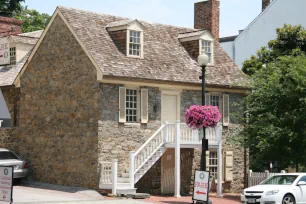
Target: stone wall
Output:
{"points": [[189, 98], [59, 112], [116, 139], [8, 136]]}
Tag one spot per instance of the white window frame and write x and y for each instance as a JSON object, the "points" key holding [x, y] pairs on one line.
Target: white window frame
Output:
{"points": [[203, 49], [213, 168], [137, 105], [13, 55], [128, 43], [134, 43]]}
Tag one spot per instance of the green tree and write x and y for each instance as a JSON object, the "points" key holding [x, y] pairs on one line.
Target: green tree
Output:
{"points": [[276, 108], [32, 20], [8, 7], [290, 41]]}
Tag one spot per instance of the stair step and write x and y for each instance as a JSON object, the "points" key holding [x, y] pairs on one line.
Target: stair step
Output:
{"points": [[138, 195], [123, 180], [125, 175], [123, 185], [126, 191]]}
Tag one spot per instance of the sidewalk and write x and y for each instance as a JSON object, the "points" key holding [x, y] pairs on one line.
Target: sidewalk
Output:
{"points": [[227, 199]]}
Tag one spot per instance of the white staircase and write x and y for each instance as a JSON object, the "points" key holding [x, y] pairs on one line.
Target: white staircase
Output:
{"points": [[148, 154]]}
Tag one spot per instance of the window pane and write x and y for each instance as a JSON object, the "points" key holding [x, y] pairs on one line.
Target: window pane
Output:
{"points": [[127, 104], [134, 112], [135, 105], [134, 119]]}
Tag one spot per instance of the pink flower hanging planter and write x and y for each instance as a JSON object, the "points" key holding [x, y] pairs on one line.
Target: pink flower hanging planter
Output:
{"points": [[198, 116]]}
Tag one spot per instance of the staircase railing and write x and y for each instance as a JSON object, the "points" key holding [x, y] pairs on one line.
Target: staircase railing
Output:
{"points": [[109, 174], [141, 156]]}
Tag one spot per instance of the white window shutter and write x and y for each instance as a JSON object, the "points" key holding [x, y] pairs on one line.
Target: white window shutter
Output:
{"points": [[144, 106], [207, 99], [228, 166], [207, 160], [122, 104], [226, 118]]}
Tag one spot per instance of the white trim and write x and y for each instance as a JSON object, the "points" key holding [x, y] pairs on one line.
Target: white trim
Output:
{"points": [[138, 109], [205, 35], [212, 49], [255, 20], [56, 13], [128, 44], [178, 103], [173, 87], [134, 25]]}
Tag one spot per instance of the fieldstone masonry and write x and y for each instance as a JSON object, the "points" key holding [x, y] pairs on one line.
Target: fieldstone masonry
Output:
{"points": [[116, 140], [59, 112]]}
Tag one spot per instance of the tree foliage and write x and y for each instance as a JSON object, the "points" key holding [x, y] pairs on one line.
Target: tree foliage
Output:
{"points": [[275, 128], [32, 20], [8, 7], [276, 109], [290, 41]]}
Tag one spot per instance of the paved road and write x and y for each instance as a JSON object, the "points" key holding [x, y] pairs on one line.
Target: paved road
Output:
{"points": [[38, 193]]}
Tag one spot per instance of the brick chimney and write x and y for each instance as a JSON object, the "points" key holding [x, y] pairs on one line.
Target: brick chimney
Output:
{"points": [[9, 26], [265, 4], [207, 16]]}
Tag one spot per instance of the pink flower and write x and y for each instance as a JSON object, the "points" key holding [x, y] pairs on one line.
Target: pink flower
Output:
{"points": [[202, 116]]}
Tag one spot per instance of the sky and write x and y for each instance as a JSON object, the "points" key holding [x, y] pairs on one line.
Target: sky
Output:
{"points": [[235, 15]]}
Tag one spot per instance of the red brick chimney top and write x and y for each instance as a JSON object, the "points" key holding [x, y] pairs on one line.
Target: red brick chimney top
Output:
{"points": [[207, 16], [9, 26]]}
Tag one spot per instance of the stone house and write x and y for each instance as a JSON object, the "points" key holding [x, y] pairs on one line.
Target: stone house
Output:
{"points": [[96, 87]]}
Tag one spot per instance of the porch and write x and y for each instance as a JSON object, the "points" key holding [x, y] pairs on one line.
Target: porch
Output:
{"points": [[169, 136]]}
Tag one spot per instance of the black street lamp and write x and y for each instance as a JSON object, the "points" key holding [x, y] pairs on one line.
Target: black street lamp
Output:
{"points": [[203, 61]]}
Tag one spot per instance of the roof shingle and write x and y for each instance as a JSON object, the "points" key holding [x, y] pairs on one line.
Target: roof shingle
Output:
{"points": [[164, 57]]}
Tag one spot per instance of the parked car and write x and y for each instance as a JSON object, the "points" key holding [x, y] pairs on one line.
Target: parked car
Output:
{"points": [[8, 158], [278, 189]]}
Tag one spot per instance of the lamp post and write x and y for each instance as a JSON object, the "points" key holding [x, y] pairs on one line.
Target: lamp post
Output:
{"points": [[203, 61]]}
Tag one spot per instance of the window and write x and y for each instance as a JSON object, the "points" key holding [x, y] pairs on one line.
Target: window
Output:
{"points": [[215, 100], [12, 55], [135, 43], [206, 47], [213, 164], [131, 105], [7, 155]]}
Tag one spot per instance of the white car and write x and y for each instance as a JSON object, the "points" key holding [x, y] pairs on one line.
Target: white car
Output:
{"points": [[8, 158], [280, 189]]}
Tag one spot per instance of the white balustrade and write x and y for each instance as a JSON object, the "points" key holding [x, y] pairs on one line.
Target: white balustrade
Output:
{"points": [[141, 156], [105, 172]]}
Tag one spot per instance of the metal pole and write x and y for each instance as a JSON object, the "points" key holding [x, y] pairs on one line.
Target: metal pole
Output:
{"points": [[203, 156]]}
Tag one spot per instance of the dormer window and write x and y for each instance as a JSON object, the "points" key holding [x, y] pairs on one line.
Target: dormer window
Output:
{"points": [[128, 37], [198, 42], [135, 43], [206, 47]]}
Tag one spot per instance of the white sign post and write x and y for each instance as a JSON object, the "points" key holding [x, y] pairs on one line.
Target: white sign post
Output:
{"points": [[6, 183], [4, 51], [201, 186]]}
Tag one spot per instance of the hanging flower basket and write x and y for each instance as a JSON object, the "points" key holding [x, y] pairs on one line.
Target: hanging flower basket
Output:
{"points": [[202, 116]]}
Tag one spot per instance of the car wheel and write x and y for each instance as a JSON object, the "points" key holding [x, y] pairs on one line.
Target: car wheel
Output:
{"points": [[288, 199]]}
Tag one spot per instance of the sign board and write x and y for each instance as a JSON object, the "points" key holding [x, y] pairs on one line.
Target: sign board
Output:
{"points": [[5, 117], [4, 51], [201, 186], [6, 183]]}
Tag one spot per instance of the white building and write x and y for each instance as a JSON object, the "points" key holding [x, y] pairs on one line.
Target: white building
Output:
{"points": [[262, 29]]}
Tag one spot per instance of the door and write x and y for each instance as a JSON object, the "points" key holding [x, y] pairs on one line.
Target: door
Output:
{"points": [[170, 107], [300, 191], [167, 172]]}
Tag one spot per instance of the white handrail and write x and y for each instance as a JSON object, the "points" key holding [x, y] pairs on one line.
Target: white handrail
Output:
{"points": [[149, 140]]}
